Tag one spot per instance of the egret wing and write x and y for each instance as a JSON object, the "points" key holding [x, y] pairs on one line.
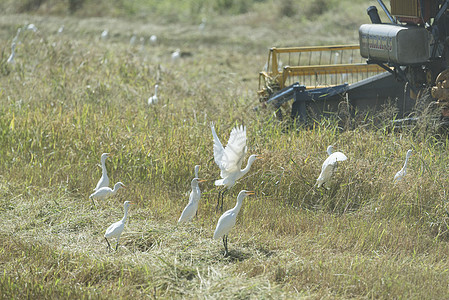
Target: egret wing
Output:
{"points": [[235, 151], [218, 147]]}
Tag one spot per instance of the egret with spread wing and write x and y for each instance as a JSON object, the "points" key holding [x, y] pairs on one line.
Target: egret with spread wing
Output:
{"points": [[329, 165], [230, 159]]}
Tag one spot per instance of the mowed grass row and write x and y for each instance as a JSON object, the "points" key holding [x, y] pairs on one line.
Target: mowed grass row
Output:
{"points": [[67, 101]]}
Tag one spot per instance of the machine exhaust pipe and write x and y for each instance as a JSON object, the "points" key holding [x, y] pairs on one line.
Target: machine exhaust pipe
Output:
{"points": [[373, 15]]}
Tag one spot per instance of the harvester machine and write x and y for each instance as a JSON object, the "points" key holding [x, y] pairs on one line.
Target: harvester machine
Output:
{"points": [[393, 64]]}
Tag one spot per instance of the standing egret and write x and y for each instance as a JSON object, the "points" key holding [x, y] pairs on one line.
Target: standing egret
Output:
{"points": [[153, 39], [61, 29], [105, 192], [13, 53], [192, 207], [104, 34], [402, 172], [228, 219], [329, 165], [175, 56], [154, 99], [116, 229], [133, 39], [230, 159], [104, 179], [202, 25], [32, 27]]}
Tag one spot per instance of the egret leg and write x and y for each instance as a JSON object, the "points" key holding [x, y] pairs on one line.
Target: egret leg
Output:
{"points": [[116, 247], [225, 243], [109, 245], [93, 202], [220, 195]]}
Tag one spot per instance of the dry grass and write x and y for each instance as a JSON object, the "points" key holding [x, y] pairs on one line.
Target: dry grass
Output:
{"points": [[71, 97]]}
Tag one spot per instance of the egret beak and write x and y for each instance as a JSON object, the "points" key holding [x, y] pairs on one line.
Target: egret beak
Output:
{"points": [[250, 193], [259, 156], [202, 180]]}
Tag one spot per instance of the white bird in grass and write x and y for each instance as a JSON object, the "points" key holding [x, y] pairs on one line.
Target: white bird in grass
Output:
{"points": [[104, 34], [329, 165], [13, 53], [104, 179], [153, 39], [190, 210], [32, 27], [228, 219], [116, 229], [105, 192], [230, 159], [154, 99], [175, 56], [402, 172]]}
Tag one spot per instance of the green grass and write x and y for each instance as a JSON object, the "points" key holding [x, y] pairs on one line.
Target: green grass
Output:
{"points": [[71, 97]]}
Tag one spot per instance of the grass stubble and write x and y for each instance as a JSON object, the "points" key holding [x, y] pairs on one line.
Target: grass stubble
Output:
{"points": [[67, 100]]}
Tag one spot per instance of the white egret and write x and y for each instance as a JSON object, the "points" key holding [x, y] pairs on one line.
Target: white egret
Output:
{"points": [[402, 172], [175, 56], [104, 34], [104, 179], [202, 25], [329, 165], [230, 159], [105, 192], [154, 99], [228, 219], [13, 53], [133, 39], [32, 27], [116, 229], [153, 39], [61, 29], [190, 210]]}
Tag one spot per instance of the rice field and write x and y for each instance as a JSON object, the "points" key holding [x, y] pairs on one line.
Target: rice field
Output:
{"points": [[72, 95]]}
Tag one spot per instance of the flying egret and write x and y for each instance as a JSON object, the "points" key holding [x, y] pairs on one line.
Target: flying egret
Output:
{"points": [[230, 159], [192, 207], [104, 179], [402, 172], [13, 53], [329, 165], [116, 229], [228, 219], [105, 192], [154, 99]]}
